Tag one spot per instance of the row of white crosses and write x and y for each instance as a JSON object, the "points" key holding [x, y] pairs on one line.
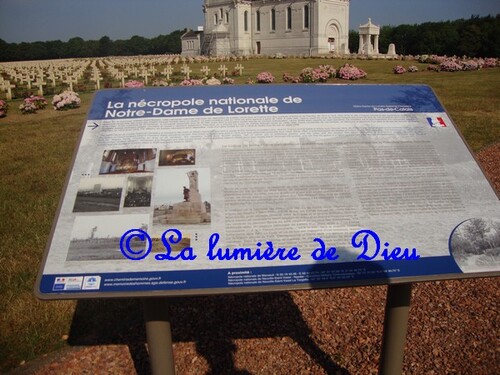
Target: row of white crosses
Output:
{"points": [[205, 70], [40, 74]]}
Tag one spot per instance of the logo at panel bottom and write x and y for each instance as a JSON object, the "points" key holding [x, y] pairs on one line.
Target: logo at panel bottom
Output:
{"points": [[91, 283]]}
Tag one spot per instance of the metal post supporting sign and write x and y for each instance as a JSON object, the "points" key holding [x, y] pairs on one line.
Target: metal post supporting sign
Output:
{"points": [[159, 336], [395, 327]]}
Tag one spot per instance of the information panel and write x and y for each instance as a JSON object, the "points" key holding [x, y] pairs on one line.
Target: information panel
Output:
{"points": [[201, 190]]}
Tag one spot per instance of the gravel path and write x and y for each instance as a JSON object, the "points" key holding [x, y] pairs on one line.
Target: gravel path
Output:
{"points": [[453, 329]]}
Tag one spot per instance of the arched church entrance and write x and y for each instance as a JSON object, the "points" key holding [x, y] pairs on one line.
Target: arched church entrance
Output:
{"points": [[332, 34]]}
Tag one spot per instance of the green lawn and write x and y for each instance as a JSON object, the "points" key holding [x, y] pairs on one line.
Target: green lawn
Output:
{"points": [[36, 151]]}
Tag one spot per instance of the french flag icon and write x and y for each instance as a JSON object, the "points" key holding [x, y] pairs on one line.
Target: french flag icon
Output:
{"points": [[436, 122]]}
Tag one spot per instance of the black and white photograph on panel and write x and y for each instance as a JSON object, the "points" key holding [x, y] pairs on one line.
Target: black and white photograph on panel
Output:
{"points": [[138, 191], [475, 244], [98, 237], [99, 194]]}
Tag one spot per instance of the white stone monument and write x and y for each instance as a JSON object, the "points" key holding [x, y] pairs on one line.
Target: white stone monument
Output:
{"points": [[193, 209], [366, 31]]}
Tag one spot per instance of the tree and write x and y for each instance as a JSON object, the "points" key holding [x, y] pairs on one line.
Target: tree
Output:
{"points": [[105, 47], [353, 41]]}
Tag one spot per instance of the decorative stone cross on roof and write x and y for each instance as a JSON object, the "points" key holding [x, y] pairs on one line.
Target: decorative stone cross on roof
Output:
{"points": [[205, 70], [223, 69], [186, 71]]}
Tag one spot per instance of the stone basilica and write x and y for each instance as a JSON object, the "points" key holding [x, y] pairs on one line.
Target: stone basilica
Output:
{"points": [[290, 27]]}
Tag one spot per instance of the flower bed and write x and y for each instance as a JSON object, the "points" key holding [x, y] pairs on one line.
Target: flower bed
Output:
{"points": [[350, 72], [191, 82], [227, 81], [66, 100], [32, 104], [3, 108], [265, 77], [287, 77], [451, 65], [161, 83], [399, 69], [470, 65], [310, 75], [213, 82], [134, 84], [328, 69]]}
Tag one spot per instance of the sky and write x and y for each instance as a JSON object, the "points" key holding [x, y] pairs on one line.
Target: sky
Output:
{"points": [[43, 20]]}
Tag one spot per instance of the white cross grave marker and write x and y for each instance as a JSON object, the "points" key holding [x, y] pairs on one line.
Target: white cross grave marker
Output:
{"points": [[186, 71], [7, 86], [205, 70], [239, 68], [223, 69], [145, 74], [167, 71], [40, 83]]}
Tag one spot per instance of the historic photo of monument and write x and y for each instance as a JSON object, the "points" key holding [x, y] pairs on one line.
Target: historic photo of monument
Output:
{"points": [[99, 194], [177, 157], [138, 193], [98, 237], [128, 161], [182, 196]]}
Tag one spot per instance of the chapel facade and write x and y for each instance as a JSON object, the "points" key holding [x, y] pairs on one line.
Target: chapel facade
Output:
{"points": [[267, 27]]}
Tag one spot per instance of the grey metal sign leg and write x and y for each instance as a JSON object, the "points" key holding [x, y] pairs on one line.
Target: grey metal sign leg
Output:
{"points": [[159, 336], [395, 327]]}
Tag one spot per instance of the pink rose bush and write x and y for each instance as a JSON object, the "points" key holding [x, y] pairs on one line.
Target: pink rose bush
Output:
{"points": [[66, 100], [265, 77], [161, 83], [133, 84], [191, 82], [468, 65], [490, 62], [328, 69], [3, 108], [287, 77], [456, 64], [350, 72], [310, 75], [213, 82], [450, 65], [399, 69], [32, 104]]}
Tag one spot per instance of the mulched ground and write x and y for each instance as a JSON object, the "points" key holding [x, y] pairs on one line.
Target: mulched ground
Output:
{"points": [[453, 329]]}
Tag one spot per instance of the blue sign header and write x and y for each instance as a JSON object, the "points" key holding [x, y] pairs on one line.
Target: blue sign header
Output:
{"points": [[262, 99]]}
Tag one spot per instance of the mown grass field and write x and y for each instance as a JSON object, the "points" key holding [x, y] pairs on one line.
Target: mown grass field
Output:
{"points": [[36, 151]]}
